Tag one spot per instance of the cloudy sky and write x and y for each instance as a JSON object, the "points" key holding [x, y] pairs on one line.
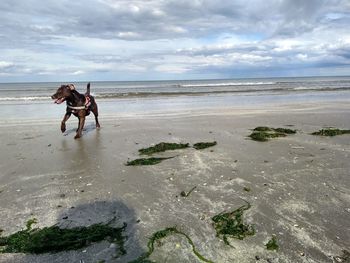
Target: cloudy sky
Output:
{"points": [[69, 40]]}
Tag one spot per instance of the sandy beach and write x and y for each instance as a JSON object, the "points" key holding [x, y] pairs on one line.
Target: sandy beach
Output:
{"points": [[224, 138], [298, 186]]}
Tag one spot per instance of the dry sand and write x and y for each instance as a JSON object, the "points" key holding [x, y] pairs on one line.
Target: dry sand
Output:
{"points": [[299, 184]]}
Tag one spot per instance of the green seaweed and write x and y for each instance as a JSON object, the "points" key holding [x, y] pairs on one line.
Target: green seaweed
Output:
{"points": [[31, 222], [231, 224], [263, 134], [203, 145], [272, 244], [161, 234], [247, 189], [284, 130], [184, 194], [280, 130], [55, 239], [263, 129], [144, 260], [146, 161], [331, 132], [345, 257], [162, 147]]}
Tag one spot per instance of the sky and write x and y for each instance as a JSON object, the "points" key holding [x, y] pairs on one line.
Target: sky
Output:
{"points": [[176, 39]]}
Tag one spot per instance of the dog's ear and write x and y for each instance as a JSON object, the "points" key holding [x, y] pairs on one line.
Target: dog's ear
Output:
{"points": [[71, 86]]}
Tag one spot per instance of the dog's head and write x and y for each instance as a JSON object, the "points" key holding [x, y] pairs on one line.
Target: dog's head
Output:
{"points": [[63, 93]]}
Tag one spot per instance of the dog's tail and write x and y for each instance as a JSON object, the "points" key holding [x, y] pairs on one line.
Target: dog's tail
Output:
{"points": [[88, 89]]}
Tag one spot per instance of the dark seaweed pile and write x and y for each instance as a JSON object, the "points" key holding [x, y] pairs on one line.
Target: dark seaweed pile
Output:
{"points": [[331, 132], [55, 239], [262, 133], [162, 147], [231, 224], [203, 145], [146, 161]]}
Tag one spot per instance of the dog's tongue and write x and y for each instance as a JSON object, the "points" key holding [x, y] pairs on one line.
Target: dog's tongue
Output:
{"points": [[59, 101]]}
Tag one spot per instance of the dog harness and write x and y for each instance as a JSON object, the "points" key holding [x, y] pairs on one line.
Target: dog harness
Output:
{"points": [[85, 107]]}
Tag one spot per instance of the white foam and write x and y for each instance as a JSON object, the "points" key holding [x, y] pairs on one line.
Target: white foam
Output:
{"points": [[225, 84], [24, 98]]}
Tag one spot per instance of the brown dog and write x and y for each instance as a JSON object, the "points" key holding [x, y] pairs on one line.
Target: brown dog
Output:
{"points": [[78, 104]]}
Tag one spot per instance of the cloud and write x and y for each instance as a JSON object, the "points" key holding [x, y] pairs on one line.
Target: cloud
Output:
{"points": [[134, 39], [5, 64], [78, 72]]}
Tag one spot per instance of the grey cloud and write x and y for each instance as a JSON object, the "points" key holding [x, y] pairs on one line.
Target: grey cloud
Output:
{"points": [[29, 20], [34, 25]]}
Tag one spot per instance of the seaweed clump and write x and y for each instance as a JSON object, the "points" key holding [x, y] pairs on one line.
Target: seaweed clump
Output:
{"points": [[162, 147], [263, 133], [247, 189], [203, 145], [161, 234], [56, 239], [285, 130], [146, 161], [345, 257], [331, 132], [231, 224], [272, 244]]}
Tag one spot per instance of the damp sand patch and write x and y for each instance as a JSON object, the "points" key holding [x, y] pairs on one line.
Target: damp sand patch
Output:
{"points": [[331, 132], [263, 133], [55, 239], [161, 234], [231, 224]]}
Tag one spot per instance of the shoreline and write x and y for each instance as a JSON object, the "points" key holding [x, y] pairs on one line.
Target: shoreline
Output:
{"points": [[177, 105]]}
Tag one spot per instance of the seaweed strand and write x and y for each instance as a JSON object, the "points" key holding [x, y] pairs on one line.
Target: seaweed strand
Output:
{"points": [[163, 234]]}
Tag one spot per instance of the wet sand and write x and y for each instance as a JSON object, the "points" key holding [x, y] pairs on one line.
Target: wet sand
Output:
{"points": [[299, 185]]}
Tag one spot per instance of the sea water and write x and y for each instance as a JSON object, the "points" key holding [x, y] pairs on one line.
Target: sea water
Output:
{"points": [[32, 100]]}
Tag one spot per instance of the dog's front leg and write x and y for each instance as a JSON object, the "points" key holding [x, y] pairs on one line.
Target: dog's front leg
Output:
{"points": [[63, 123], [81, 126]]}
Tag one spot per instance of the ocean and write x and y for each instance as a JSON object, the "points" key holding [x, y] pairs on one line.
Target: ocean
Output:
{"points": [[32, 100], [127, 89]]}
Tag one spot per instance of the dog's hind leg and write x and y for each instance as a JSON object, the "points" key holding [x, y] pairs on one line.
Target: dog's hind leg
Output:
{"points": [[63, 123], [95, 112]]}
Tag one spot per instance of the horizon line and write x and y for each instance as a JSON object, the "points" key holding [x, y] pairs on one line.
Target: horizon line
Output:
{"points": [[160, 80]]}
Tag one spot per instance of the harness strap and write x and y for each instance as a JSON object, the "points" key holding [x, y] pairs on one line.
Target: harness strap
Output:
{"points": [[85, 107], [76, 108]]}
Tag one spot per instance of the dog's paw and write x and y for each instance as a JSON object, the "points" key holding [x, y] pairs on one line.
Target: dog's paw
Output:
{"points": [[63, 128], [77, 136]]}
